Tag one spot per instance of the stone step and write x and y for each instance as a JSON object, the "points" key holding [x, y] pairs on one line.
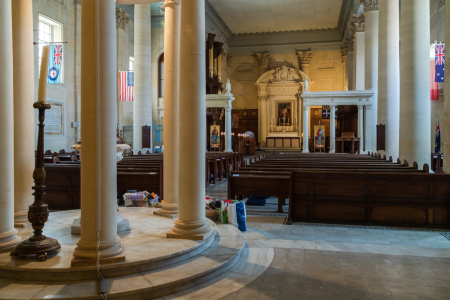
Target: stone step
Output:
{"points": [[223, 253]]}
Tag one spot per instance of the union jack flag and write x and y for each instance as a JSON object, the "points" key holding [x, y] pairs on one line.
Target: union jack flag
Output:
{"points": [[440, 63], [58, 54]]}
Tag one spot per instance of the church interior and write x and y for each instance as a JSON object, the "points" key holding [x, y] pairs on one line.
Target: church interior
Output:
{"points": [[264, 149]]}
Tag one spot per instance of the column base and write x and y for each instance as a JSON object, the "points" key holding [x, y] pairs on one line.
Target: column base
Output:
{"points": [[305, 151], [9, 240], [228, 151], [21, 219], [167, 210], [88, 262], [122, 225], [86, 252], [190, 230]]}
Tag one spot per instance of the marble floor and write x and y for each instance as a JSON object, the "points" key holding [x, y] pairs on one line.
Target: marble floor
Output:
{"points": [[332, 262]]}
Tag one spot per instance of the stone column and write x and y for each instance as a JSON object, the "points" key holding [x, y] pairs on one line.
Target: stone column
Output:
{"points": [[389, 76], [304, 61], [358, 28], [263, 59], [344, 68], [371, 67], [8, 235], [332, 129], [348, 47], [123, 58], [24, 122], [446, 121], [361, 127], [171, 67], [142, 74], [415, 119], [228, 130], [98, 133], [191, 222], [305, 129]]}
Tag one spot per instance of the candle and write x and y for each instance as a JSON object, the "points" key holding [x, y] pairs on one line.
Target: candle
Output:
{"points": [[42, 93]]}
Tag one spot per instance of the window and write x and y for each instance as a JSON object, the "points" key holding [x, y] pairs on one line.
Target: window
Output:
{"points": [[131, 64], [50, 31], [161, 76]]}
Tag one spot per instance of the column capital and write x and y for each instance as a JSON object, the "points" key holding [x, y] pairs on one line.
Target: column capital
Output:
{"points": [[122, 18], [305, 107], [344, 55], [370, 5], [304, 57], [358, 23], [263, 59], [169, 3]]}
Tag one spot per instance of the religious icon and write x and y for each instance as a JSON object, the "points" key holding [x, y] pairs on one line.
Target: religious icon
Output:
{"points": [[284, 114], [215, 136], [319, 135]]}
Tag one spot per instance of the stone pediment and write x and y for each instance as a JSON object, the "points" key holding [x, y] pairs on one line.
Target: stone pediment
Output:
{"points": [[284, 80]]}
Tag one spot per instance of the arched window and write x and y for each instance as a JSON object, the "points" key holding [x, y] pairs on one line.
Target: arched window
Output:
{"points": [[161, 76]]}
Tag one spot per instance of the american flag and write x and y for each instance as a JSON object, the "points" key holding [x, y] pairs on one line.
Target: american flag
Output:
{"points": [[440, 63], [126, 86]]}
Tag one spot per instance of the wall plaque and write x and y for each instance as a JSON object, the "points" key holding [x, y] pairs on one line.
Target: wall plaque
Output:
{"points": [[381, 137], [54, 120], [146, 135]]}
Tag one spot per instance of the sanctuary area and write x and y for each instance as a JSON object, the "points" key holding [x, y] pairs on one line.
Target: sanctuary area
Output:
{"points": [[224, 149]]}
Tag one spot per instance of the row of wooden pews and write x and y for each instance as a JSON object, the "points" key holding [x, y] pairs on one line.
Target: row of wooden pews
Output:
{"points": [[134, 172], [348, 188]]}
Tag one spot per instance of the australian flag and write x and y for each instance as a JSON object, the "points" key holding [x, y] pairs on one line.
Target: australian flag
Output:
{"points": [[437, 144], [55, 64], [440, 63]]}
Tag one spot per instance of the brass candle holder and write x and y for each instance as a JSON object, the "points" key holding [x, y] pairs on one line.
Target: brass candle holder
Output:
{"points": [[38, 212]]}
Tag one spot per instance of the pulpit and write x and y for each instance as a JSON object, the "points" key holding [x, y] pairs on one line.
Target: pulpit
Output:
{"points": [[348, 137]]}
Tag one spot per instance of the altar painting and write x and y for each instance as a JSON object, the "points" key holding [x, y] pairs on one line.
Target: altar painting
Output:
{"points": [[215, 136], [319, 136], [284, 114]]}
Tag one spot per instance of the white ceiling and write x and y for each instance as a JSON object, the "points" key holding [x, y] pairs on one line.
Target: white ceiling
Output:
{"points": [[250, 16]]}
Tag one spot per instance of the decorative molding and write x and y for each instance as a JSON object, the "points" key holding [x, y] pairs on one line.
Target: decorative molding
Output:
{"points": [[263, 59], [345, 15], [162, 9], [77, 1], [344, 55], [304, 57], [441, 3], [348, 44], [369, 5], [122, 18], [228, 59], [215, 20], [358, 23]]}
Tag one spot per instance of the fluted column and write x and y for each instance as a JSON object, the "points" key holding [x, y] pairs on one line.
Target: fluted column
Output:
{"points": [[446, 124], [371, 67], [263, 59], [332, 129], [389, 75], [24, 123], [304, 61], [98, 133], [142, 74], [191, 222], [305, 129], [171, 67], [8, 235], [358, 28], [361, 127], [415, 119]]}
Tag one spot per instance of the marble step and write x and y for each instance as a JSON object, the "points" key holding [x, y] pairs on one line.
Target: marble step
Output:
{"points": [[223, 253]]}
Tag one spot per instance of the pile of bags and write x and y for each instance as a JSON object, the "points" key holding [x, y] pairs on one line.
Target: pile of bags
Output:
{"points": [[233, 212], [140, 199]]}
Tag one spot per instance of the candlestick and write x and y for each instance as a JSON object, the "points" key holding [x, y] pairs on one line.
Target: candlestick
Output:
{"points": [[219, 67], [211, 62], [42, 93]]}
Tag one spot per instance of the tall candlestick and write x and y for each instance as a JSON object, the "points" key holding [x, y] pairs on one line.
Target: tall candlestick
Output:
{"points": [[42, 93], [219, 71], [211, 62]]}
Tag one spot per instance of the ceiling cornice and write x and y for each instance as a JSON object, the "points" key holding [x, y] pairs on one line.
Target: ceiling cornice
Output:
{"points": [[215, 20]]}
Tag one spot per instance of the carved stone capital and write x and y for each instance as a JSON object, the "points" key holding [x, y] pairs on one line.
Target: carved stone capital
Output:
{"points": [[263, 59], [122, 18], [370, 5], [228, 59], [358, 23], [348, 44], [169, 3], [304, 57]]}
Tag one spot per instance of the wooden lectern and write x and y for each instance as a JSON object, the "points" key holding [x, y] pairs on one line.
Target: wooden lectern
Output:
{"points": [[348, 137]]}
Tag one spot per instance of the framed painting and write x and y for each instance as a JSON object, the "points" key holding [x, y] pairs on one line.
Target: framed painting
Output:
{"points": [[319, 136], [214, 140]]}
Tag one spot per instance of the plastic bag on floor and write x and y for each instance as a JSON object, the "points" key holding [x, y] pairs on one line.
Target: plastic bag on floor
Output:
{"points": [[241, 216]]}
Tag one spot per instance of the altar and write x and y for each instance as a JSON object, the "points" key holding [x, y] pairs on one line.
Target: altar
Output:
{"points": [[279, 105]]}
